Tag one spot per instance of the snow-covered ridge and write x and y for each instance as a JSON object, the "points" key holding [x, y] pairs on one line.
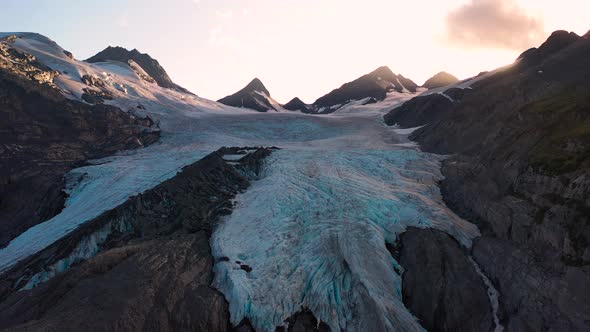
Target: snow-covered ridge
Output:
{"points": [[126, 82]]}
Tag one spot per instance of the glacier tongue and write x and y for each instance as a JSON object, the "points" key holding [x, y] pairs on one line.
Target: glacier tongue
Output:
{"points": [[314, 229], [310, 233]]}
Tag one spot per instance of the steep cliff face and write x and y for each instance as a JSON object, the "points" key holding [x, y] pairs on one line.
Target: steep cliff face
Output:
{"points": [[44, 135], [154, 266], [440, 284], [521, 172]]}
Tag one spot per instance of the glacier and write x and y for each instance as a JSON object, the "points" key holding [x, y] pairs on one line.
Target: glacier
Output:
{"points": [[313, 230], [314, 226]]}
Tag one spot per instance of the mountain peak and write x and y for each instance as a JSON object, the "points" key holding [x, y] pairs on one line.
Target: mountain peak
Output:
{"points": [[382, 73], [297, 104], [257, 85], [557, 41], [150, 65], [439, 80], [254, 96], [374, 85]]}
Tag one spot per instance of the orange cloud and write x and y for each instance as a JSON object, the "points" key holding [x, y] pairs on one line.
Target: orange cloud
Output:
{"points": [[500, 24]]}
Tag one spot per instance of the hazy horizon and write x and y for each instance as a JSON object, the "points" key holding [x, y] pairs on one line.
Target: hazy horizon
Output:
{"points": [[305, 48]]}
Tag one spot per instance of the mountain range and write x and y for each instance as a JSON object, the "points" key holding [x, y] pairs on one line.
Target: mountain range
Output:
{"points": [[129, 203]]}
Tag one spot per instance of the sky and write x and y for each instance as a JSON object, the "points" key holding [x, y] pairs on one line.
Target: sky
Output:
{"points": [[302, 48]]}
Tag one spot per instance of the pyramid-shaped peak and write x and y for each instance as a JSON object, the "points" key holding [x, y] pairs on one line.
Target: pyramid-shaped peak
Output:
{"points": [[257, 85], [383, 72]]}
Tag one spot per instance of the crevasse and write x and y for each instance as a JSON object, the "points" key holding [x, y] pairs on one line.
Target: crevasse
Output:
{"points": [[314, 229]]}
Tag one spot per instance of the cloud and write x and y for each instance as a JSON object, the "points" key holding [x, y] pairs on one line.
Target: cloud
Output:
{"points": [[498, 24]]}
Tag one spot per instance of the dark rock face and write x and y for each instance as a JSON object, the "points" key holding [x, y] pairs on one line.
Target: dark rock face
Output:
{"points": [[520, 170], [44, 135], [419, 111], [374, 85], [297, 104], [558, 41], [302, 321], [153, 274], [254, 96], [305, 321], [539, 292], [160, 285], [440, 285], [151, 66], [23, 65], [439, 80]]}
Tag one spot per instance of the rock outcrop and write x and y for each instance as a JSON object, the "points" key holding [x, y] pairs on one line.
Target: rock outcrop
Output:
{"points": [[425, 109], [154, 267], [44, 135], [374, 85], [151, 66], [439, 80], [441, 287], [520, 170], [302, 321], [253, 96], [23, 65]]}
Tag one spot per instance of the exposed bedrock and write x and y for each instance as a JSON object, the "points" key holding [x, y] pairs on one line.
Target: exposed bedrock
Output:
{"points": [[441, 287], [154, 266], [302, 321], [43, 135], [520, 170]]}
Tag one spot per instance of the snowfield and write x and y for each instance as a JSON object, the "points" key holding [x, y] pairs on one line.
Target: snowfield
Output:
{"points": [[313, 228]]}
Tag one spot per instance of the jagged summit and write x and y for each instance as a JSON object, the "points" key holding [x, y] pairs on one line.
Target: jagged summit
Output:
{"points": [[439, 80], [374, 85], [150, 65], [297, 104], [558, 40], [254, 96]]}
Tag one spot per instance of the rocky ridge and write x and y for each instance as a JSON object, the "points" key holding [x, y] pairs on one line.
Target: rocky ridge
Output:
{"points": [[519, 170], [373, 87], [149, 68], [153, 265], [44, 135]]}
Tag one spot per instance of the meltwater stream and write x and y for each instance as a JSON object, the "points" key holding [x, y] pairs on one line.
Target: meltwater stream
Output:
{"points": [[313, 228]]}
